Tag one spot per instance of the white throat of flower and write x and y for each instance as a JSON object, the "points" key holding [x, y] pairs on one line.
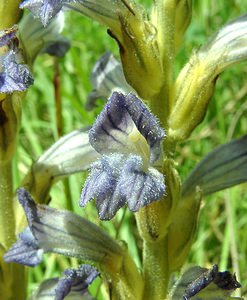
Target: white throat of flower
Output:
{"points": [[141, 146]]}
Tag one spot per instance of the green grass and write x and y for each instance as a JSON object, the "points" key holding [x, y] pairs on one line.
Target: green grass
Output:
{"points": [[221, 236]]}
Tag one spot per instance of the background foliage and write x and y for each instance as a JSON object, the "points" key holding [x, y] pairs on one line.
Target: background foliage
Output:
{"points": [[221, 236]]}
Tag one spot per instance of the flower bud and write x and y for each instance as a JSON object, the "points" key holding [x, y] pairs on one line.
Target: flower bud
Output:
{"points": [[195, 83]]}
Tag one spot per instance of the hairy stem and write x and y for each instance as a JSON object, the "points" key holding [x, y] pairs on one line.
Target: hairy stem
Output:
{"points": [[152, 226], [155, 267]]}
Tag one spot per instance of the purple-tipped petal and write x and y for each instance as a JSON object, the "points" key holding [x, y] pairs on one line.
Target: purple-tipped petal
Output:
{"points": [[45, 10], [107, 76], [28, 205], [14, 76], [75, 281], [110, 131], [25, 251], [101, 184], [115, 181], [140, 188], [73, 286], [206, 284], [66, 233]]}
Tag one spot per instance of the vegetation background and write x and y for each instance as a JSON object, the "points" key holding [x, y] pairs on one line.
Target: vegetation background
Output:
{"points": [[222, 232]]}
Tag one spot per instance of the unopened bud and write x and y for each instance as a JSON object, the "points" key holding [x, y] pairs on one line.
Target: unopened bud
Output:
{"points": [[195, 84]]}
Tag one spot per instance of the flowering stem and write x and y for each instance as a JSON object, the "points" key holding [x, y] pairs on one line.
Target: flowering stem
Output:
{"points": [[12, 273], [155, 267], [152, 226], [59, 124], [166, 39], [7, 221]]}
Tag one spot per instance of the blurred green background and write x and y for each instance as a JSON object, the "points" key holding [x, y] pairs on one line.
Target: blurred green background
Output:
{"points": [[222, 232]]}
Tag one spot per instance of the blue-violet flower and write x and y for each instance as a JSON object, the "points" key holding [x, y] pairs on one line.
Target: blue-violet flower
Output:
{"points": [[129, 139]]}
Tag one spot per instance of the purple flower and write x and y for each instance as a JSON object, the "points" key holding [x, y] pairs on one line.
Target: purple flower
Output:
{"points": [[129, 139]]}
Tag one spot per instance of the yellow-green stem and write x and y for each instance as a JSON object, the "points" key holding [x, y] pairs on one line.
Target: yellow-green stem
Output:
{"points": [[9, 13], [7, 221], [152, 226], [19, 282], [155, 267], [159, 104], [166, 11]]}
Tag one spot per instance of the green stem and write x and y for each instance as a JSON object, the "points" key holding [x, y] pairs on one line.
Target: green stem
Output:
{"points": [[7, 220], [59, 125], [166, 11], [19, 282], [155, 267], [159, 104], [152, 226], [13, 275]]}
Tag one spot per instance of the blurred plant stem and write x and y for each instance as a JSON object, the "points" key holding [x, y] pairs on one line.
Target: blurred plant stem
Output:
{"points": [[59, 125], [152, 226], [7, 221], [10, 13], [13, 276], [58, 98]]}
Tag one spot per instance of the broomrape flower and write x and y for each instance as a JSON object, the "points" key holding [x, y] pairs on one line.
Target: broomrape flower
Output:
{"points": [[62, 232], [129, 139], [73, 285]]}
